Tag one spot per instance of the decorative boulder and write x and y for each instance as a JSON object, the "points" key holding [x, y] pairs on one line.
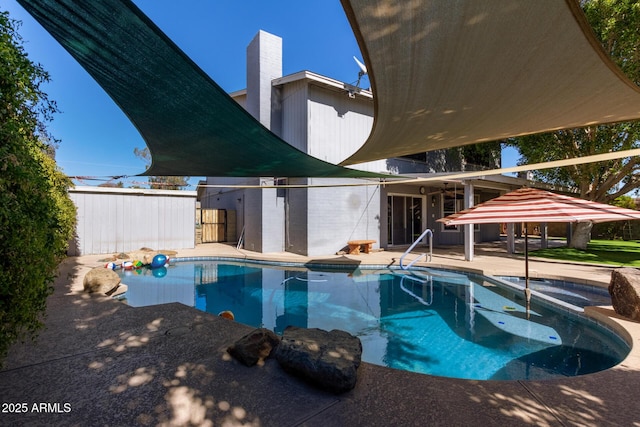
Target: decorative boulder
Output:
{"points": [[329, 360], [624, 289], [120, 290], [254, 347], [101, 280]]}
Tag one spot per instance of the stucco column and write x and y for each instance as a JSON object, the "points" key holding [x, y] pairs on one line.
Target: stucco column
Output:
{"points": [[468, 228]]}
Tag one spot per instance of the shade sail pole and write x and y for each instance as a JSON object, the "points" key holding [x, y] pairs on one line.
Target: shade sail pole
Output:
{"points": [[527, 291]]}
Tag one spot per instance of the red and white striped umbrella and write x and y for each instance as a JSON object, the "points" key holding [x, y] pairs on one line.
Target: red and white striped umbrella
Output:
{"points": [[534, 205]]}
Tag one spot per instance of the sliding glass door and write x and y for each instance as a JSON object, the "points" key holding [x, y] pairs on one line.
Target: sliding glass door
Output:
{"points": [[404, 219]]}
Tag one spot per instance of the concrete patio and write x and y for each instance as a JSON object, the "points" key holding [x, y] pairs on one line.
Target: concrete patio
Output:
{"points": [[101, 362]]}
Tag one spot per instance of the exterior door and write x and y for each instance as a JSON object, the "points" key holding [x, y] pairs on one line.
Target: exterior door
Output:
{"points": [[404, 219]]}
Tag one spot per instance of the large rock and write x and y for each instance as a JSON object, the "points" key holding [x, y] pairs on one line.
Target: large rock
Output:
{"points": [[254, 347], [120, 290], [624, 289], [101, 280], [329, 360]]}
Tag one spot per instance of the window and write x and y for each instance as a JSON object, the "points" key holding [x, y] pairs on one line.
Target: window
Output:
{"points": [[452, 203]]}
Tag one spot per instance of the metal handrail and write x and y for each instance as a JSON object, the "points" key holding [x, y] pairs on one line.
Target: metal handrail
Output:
{"points": [[422, 236], [422, 282], [241, 239]]}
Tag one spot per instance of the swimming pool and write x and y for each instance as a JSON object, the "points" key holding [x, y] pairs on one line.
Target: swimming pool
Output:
{"points": [[434, 322]]}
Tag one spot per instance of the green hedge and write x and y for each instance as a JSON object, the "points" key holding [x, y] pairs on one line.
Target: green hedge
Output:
{"points": [[37, 217]]}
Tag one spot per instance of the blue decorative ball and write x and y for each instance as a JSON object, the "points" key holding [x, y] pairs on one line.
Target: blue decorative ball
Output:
{"points": [[159, 261]]}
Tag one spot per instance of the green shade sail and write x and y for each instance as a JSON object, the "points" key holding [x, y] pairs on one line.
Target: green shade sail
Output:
{"points": [[191, 126]]}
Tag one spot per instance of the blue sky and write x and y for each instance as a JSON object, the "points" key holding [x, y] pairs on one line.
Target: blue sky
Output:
{"points": [[97, 140]]}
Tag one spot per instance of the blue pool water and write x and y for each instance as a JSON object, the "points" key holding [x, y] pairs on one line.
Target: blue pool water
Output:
{"points": [[576, 294], [434, 322]]}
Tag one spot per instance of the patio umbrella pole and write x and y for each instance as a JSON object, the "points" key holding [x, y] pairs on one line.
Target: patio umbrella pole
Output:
{"points": [[527, 291]]}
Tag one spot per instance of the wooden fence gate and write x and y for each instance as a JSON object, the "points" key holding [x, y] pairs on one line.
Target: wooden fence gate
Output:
{"points": [[218, 225]]}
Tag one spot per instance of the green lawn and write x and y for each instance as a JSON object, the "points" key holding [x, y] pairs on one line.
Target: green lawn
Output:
{"points": [[613, 252]]}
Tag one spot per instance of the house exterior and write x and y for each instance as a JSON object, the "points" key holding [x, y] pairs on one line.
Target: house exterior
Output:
{"points": [[330, 120]]}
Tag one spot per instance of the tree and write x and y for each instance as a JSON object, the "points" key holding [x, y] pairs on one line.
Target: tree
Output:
{"points": [[110, 184], [472, 157], [626, 202], [615, 23], [617, 229], [37, 217], [160, 182]]}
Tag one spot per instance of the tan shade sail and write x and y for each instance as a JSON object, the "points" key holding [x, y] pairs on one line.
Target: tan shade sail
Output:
{"points": [[450, 73]]}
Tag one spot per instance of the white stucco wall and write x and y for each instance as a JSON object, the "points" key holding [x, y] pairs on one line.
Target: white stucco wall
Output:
{"points": [[337, 215]]}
